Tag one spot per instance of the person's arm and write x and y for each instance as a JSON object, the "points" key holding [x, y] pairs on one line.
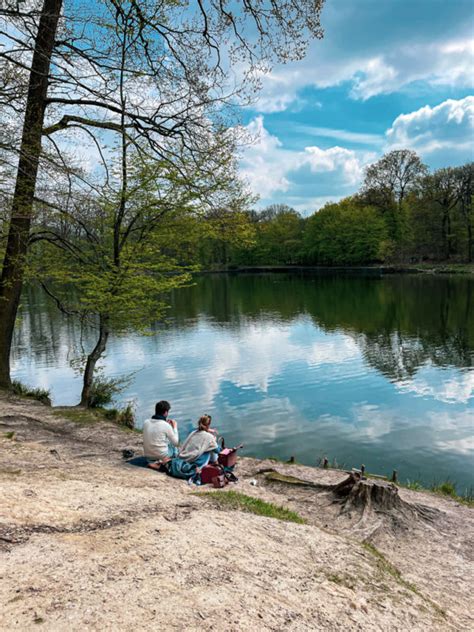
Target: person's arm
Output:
{"points": [[213, 445], [172, 434]]}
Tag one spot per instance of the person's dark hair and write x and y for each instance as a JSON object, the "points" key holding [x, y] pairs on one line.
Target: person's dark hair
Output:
{"points": [[162, 407]]}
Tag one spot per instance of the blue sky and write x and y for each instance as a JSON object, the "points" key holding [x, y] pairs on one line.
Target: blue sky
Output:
{"points": [[388, 74]]}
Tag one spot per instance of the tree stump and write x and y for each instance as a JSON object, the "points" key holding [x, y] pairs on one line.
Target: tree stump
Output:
{"points": [[362, 493]]}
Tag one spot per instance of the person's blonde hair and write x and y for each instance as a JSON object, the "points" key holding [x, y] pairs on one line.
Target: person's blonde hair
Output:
{"points": [[204, 422]]}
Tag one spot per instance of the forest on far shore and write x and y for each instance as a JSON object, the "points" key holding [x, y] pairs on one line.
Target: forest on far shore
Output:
{"points": [[402, 214]]}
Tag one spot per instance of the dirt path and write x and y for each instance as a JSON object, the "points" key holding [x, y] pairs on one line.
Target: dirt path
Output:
{"points": [[88, 542]]}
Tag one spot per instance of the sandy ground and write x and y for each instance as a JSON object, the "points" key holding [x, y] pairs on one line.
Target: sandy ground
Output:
{"points": [[88, 542]]}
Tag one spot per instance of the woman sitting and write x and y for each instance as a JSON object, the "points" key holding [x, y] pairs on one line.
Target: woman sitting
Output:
{"points": [[200, 447]]}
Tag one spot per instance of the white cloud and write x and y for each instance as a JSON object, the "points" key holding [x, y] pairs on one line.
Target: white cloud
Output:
{"points": [[340, 134], [308, 178], [265, 162], [374, 77], [269, 168], [449, 125], [307, 206], [333, 159], [279, 90], [378, 67]]}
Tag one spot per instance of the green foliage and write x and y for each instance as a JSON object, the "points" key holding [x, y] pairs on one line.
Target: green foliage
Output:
{"points": [[104, 389], [401, 215], [386, 567], [446, 488], [123, 251], [277, 234], [344, 234], [122, 416], [414, 485], [40, 394], [237, 501]]}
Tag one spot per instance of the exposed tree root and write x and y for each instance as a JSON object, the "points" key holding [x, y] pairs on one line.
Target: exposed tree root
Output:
{"points": [[14, 534], [367, 505]]}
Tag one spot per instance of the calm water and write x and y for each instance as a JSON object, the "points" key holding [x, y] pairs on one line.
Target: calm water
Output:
{"points": [[364, 370]]}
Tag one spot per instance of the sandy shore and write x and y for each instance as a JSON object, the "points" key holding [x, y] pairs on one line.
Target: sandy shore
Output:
{"points": [[88, 542]]}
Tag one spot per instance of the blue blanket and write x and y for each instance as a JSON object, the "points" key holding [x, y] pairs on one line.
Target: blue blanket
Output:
{"points": [[181, 469]]}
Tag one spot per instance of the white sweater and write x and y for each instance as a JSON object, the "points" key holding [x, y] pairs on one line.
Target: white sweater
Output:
{"points": [[157, 435]]}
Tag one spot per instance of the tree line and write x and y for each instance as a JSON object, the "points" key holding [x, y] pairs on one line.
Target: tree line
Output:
{"points": [[402, 214]]}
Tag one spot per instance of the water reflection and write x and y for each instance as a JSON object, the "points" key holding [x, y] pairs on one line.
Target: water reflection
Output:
{"points": [[363, 369]]}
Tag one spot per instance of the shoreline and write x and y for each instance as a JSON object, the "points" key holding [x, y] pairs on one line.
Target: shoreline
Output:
{"points": [[372, 270], [81, 416]]}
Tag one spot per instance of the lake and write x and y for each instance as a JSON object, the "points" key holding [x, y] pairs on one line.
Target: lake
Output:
{"points": [[363, 369]]}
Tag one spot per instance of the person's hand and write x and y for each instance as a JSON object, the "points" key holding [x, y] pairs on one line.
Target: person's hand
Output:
{"points": [[213, 431], [173, 423]]}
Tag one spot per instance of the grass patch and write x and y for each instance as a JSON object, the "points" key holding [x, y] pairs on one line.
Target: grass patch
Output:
{"points": [[413, 485], [121, 416], [385, 566], [22, 390], [85, 416], [242, 502], [444, 488], [448, 488], [342, 580], [9, 435]]}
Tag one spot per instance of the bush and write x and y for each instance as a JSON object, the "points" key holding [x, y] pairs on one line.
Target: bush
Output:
{"points": [[447, 488], [122, 416], [104, 389], [40, 394]]}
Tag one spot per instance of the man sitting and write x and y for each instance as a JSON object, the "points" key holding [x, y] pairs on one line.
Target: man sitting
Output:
{"points": [[160, 436]]}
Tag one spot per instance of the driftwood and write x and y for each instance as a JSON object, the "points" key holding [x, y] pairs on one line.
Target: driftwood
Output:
{"points": [[275, 477]]}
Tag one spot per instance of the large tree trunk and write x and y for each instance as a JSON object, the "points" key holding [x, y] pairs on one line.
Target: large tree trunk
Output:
{"points": [[22, 206], [469, 242], [92, 360], [444, 235]]}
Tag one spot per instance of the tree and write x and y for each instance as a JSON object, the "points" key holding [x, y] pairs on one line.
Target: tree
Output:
{"points": [[150, 69], [344, 234], [394, 175], [227, 234], [466, 191], [123, 250], [278, 235], [386, 185], [442, 188], [30, 148]]}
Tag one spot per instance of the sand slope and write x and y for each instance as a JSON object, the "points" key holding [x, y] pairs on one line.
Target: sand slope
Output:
{"points": [[89, 543]]}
